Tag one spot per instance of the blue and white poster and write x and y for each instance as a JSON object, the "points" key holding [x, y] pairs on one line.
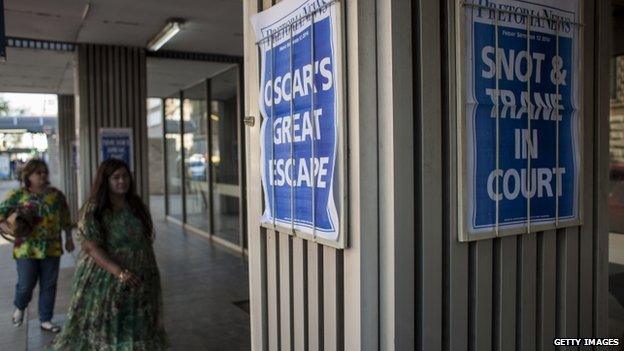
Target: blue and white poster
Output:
{"points": [[522, 94], [301, 105], [116, 143], [5, 167]]}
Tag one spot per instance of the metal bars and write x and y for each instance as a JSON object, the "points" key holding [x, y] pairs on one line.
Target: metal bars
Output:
{"points": [[292, 127], [302, 19], [313, 142], [497, 102], [272, 131], [557, 184], [529, 109]]}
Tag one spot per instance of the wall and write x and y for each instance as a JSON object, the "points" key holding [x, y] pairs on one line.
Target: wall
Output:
{"points": [[110, 93], [66, 136], [405, 282], [304, 295], [156, 167], [518, 292]]}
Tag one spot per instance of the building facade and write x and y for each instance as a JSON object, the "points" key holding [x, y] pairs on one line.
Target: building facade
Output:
{"points": [[405, 281]]}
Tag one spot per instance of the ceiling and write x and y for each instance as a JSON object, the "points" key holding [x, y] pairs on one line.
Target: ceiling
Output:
{"points": [[37, 71], [212, 26], [165, 76]]}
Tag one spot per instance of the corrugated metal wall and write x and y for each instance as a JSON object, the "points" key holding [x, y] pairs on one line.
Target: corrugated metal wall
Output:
{"points": [[67, 135], [513, 293], [305, 296], [112, 91]]}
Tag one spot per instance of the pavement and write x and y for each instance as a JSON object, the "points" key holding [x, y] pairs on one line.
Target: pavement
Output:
{"points": [[205, 294]]}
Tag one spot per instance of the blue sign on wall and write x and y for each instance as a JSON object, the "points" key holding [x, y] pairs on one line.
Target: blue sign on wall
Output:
{"points": [[116, 143], [301, 108], [532, 95]]}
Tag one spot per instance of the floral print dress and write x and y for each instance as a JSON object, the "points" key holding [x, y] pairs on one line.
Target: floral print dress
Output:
{"points": [[52, 215], [105, 314]]}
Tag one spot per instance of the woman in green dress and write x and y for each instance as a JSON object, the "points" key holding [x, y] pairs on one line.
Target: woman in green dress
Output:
{"points": [[116, 302]]}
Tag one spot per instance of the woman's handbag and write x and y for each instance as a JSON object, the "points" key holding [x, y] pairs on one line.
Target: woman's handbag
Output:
{"points": [[18, 224]]}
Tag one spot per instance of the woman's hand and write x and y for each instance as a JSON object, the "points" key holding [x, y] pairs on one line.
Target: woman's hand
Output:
{"points": [[69, 241], [127, 277]]}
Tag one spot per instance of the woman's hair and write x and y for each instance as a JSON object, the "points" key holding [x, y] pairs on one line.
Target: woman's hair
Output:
{"points": [[29, 168], [100, 195]]}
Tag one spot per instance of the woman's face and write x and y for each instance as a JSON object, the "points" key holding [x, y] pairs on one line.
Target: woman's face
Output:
{"points": [[119, 181], [39, 178]]}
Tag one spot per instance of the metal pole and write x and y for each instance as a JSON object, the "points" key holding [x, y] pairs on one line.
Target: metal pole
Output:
{"points": [[557, 185], [164, 143], [209, 176], [496, 72], [292, 132], [182, 158], [530, 135], [313, 139], [272, 132]]}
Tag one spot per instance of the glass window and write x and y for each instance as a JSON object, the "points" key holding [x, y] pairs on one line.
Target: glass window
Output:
{"points": [[155, 154], [196, 156], [173, 150], [616, 148], [225, 119], [616, 195]]}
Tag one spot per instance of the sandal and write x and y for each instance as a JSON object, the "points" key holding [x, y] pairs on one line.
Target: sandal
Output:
{"points": [[18, 318], [51, 327]]}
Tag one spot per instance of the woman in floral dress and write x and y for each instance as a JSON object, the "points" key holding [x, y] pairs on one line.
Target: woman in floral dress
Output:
{"points": [[116, 302], [38, 254]]}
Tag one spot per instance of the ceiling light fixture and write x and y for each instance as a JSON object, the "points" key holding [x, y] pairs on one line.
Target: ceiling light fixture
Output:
{"points": [[173, 27]]}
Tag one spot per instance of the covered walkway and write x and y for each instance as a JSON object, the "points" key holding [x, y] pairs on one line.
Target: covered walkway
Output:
{"points": [[205, 294]]}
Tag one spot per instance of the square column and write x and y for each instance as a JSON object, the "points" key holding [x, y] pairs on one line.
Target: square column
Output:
{"points": [[111, 92]]}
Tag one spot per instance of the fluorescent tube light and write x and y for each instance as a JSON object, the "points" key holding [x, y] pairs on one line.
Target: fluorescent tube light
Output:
{"points": [[171, 29]]}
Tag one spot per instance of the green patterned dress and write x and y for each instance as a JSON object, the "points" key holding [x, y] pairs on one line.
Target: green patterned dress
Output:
{"points": [[105, 314]]}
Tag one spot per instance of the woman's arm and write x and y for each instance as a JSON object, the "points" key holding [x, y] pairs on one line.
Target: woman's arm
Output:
{"points": [[69, 240], [102, 259]]}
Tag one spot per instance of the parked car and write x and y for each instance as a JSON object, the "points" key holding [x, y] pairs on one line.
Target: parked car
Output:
{"points": [[197, 167]]}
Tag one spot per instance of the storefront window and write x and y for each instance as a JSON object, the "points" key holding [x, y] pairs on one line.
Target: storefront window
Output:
{"points": [[173, 151], [196, 156], [155, 151], [203, 153], [616, 149], [225, 121]]}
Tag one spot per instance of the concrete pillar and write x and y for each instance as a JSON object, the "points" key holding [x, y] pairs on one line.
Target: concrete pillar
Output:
{"points": [[53, 159], [68, 158], [111, 92]]}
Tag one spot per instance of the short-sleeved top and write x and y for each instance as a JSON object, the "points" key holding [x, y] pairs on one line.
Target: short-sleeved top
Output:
{"points": [[52, 216]]}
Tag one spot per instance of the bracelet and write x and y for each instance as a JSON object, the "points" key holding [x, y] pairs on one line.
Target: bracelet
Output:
{"points": [[124, 275]]}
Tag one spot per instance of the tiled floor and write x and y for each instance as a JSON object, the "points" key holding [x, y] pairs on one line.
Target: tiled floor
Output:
{"points": [[201, 282], [226, 225]]}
